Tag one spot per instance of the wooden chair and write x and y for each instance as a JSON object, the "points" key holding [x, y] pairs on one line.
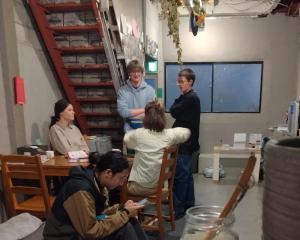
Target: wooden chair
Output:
{"points": [[237, 195], [16, 170], [167, 173], [86, 138]]}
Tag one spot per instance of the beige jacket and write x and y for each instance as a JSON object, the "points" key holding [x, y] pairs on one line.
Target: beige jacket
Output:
{"points": [[65, 139], [149, 147]]}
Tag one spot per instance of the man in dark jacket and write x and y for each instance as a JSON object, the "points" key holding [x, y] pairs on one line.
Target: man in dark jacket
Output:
{"points": [[186, 111], [80, 210]]}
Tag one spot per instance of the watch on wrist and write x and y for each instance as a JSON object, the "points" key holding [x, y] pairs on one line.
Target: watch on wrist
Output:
{"points": [[125, 210], [122, 208]]}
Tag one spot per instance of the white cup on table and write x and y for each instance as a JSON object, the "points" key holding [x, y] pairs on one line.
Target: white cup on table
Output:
{"points": [[50, 154]]}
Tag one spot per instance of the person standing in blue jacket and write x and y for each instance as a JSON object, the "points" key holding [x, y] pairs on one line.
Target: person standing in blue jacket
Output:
{"points": [[133, 96]]}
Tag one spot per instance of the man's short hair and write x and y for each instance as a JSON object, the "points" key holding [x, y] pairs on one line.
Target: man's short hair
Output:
{"points": [[133, 65], [188, 74]]}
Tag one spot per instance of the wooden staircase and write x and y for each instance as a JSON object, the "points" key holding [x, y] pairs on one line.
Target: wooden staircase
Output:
{"points": [[78, 39]]}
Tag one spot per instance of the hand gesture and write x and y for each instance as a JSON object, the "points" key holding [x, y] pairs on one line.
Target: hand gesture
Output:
{"points": [[132, 207]]}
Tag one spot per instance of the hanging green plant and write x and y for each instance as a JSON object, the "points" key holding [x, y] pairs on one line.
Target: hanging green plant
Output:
{"points": [[169, 11]]}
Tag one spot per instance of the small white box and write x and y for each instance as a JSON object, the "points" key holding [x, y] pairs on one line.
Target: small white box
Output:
{"points": [[239, 140]]}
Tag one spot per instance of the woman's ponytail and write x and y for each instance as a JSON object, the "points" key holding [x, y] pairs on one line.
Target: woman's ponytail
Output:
{"points": [[54, 119], [59, 107]]}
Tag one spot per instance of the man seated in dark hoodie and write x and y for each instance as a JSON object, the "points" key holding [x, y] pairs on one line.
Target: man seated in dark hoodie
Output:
{"points": [[80, 210]]}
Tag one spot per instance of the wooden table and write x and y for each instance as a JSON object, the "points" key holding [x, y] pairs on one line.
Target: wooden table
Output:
{"points": [[60, 166], [231, 152]]}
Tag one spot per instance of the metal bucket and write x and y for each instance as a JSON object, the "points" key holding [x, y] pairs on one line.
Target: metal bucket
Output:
{"points": [[92, 143], [281, 208], [103, 144]]}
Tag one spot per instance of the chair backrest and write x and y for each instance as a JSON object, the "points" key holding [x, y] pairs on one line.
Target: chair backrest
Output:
{"points": [[16, 169], [86, 138], [168, 168]]}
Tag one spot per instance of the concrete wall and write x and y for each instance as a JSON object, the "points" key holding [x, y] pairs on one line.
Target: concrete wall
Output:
{"points": [[5, 138], [273, 39], [153, 28], [41, 87], [130, 9], [152, 22], [12, 115], [298, 89], [22, 55], [160, 57]]}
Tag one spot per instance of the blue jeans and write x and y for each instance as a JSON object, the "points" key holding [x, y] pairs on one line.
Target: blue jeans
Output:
{"points": [[183, 189]]}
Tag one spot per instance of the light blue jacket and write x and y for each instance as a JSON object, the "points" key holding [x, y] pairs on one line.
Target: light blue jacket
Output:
{"points": [[132, 98]]}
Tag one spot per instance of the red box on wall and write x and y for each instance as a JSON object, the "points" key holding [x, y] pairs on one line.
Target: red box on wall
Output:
{"points": [[19, 90]]}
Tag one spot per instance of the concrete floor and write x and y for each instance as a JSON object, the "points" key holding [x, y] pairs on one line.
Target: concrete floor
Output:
{"points": [[248, 221]]}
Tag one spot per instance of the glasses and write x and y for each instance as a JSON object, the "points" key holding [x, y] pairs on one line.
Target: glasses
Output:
{"points": [[135, 72]]}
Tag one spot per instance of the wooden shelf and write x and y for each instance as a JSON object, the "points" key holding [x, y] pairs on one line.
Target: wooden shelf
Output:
{"points": [[89, 49], [87, 67], [99, 114], [67, 7], [98, 84], [98, 99], [75, 29]]}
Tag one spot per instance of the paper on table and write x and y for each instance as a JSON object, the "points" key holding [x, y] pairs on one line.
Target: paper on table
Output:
{"points": [[282, 128], [239, 140], [255, 138], [240, 137], [226, 146], [77, 154]]}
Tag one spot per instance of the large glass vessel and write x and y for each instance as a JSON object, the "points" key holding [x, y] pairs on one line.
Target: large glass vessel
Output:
{"points": [[202, 221]]}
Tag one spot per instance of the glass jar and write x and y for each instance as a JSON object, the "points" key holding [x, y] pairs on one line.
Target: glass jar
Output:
{"points": [[202, 219]]}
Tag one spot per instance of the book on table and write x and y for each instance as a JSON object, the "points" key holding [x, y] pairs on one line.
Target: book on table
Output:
{"points": [[77, 155]]}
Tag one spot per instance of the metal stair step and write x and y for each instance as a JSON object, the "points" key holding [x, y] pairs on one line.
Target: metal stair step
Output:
{"points": [[88, 49], [99, 84], [67, 7], [78, 67], [98, 99], [75, 29]]}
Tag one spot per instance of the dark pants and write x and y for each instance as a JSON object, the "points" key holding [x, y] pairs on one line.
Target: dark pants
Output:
{"points": [[131, 231], [56, 230], [183, 189]]}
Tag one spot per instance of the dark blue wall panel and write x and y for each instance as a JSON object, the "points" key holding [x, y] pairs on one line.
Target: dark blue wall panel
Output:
{"points": [[222, 87]]}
